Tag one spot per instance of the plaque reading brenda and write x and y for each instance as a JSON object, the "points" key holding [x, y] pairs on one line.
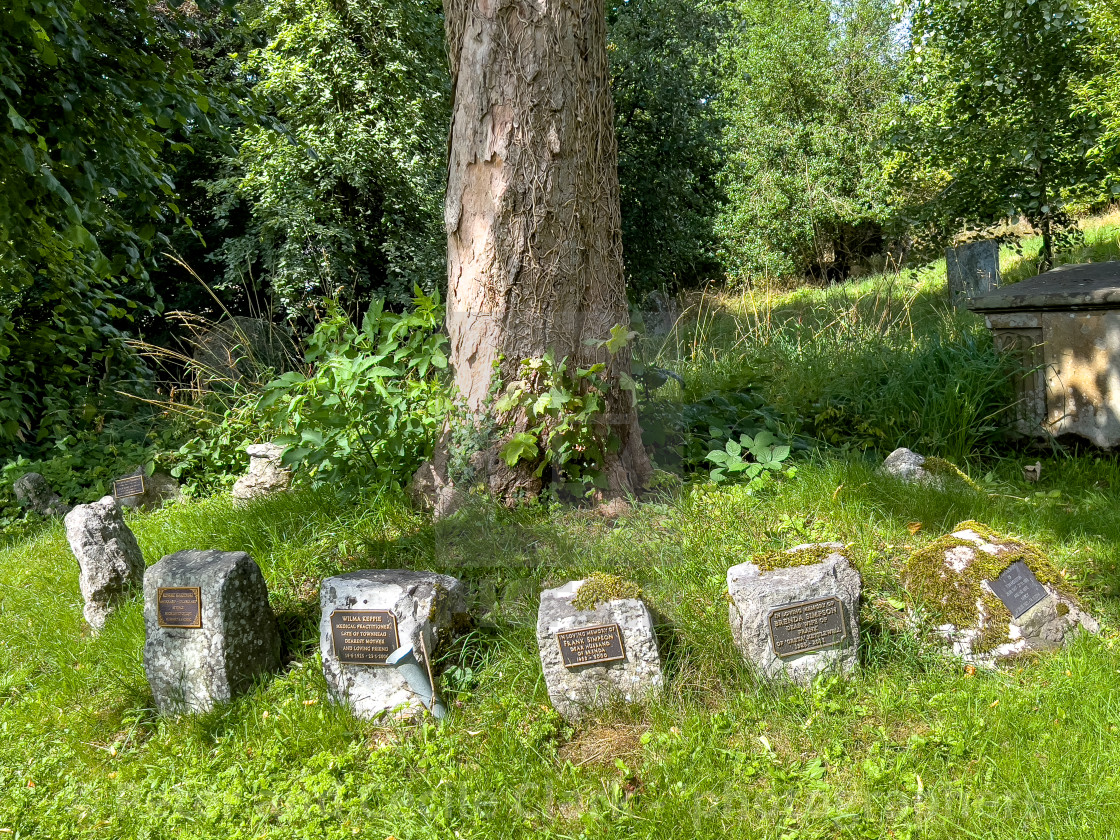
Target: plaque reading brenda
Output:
{"points": [[1018, 588], [130, 485], [179, 606], [806, 626], [364, 637], [590, 645]]}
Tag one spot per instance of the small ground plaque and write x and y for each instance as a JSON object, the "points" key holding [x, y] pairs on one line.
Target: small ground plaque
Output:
{"points": [[1018, 588], [179, 606], [590, 645], [806, 626], [364, 637], [131, 485]]}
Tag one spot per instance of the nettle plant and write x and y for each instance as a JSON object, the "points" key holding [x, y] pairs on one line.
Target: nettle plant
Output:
{"points": [[563, 408]]}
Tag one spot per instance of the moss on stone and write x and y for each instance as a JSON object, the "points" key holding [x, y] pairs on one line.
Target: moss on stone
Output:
{"points": [[788, 559], [952, 597], [599, 588], [942, 468]]}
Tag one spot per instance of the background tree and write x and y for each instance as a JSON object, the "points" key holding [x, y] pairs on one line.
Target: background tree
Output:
{"points": [[666, 84], [993, 129], [95, 94], [810, 92]]}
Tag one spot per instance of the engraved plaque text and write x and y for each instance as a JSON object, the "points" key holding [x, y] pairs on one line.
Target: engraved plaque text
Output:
{"points": [[805, 626], [591, 645], [179, 606], [130, 485], [364, 637], [1018, 588]]}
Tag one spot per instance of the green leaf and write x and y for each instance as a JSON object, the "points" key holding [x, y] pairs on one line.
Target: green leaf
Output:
{"points": [[521, 446]]}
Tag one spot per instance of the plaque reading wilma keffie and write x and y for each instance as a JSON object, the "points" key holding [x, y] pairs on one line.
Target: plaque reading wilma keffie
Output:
{"points": [[1018, 588], [179, 606], [805, 626], [591, 645], [364, 637]]}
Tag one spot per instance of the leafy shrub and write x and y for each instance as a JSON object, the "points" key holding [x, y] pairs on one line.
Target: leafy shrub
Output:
{"points": [[371, 402]]}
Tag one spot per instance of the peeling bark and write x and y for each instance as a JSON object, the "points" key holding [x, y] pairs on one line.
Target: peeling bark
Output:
{"points": [[532, 216]]}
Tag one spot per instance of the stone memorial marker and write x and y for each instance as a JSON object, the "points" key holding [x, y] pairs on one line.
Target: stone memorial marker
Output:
{"points": [[137, 490], [33, 492], [109, 558], [380, 630], [597, 655], [210, 631], [972, 270], [993, 597], [799, 617], [267, 473]]}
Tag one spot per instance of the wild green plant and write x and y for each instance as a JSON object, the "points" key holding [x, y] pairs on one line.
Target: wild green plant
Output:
{"points": [[751, 460], [371, 401]]}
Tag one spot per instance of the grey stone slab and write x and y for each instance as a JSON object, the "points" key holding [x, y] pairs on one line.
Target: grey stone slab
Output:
{"points": [[1084, 286], [576, 690], [756, 594], [109, 558], [906, 465], [191, 670], [972, 270], [428, 610]]}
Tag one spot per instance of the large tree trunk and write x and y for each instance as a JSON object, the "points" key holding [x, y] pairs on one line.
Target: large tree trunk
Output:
{"points": [[532, 215]]}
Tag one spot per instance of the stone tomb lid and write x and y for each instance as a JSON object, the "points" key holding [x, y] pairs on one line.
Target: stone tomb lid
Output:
{"points": [[1085, 286]]}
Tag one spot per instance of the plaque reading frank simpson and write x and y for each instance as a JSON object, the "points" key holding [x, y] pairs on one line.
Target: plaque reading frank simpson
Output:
{"points": [[131, 485], [1018, 588], [363, 637], [179, 606], [806, 626], [590, 645]]}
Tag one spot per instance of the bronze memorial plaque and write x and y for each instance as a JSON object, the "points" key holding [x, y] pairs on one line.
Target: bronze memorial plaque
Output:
{"points": [[130, 485], [591, 645], [1018, 588], [179, 606], [364, 637], [806, 626]]}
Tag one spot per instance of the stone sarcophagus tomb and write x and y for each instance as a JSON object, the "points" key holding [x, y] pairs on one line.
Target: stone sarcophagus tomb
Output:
{"points": [[1063, 326]]}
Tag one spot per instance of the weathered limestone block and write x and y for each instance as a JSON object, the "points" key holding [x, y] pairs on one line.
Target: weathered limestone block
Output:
{"points": [[158, 488], [34, 493], [191, 668], [109, 557], [632, 670], [373, 618], [810, 639], [267, 473], [993, 597]]}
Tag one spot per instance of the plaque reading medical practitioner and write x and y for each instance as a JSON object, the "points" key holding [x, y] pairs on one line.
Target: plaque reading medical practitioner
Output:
{"points": [[132, 485], [806, 626], [179, 606], [364, 637], [1018, 588], [590, 645]]}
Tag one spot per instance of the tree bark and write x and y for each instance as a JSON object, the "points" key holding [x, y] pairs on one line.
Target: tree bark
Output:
{"points": [[534, 240]]}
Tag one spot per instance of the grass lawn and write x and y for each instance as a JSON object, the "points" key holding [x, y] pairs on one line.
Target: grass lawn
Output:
{"points": [[912, 746]]}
